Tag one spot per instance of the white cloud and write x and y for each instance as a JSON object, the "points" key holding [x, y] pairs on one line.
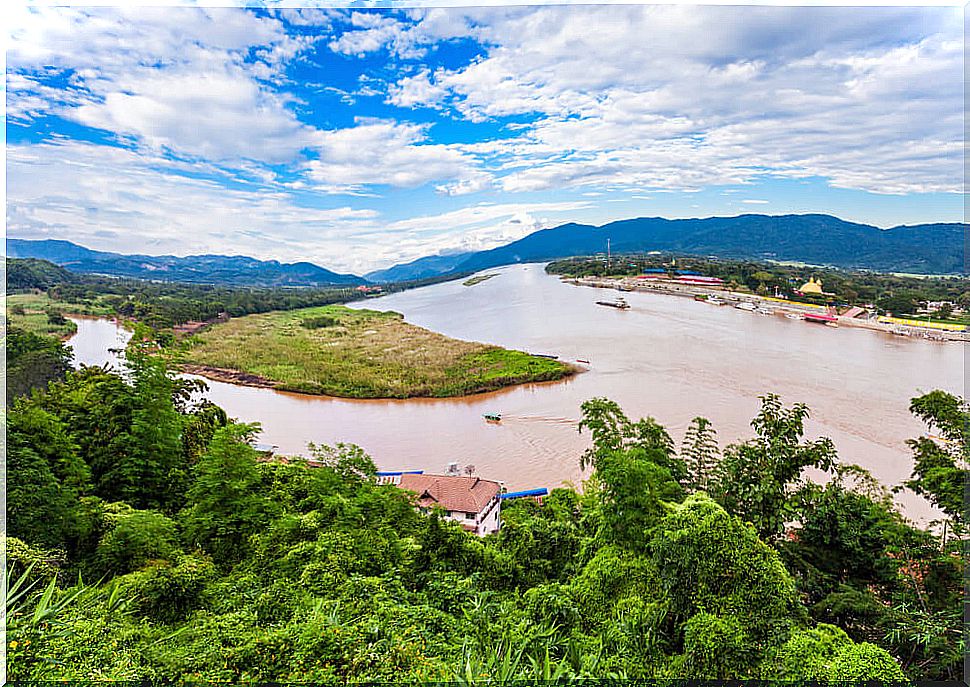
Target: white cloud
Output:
{"points": [[219, 113], [753, 201], [862, 99], [183, 82], [385, 152], [114, 199], [183, 79]]}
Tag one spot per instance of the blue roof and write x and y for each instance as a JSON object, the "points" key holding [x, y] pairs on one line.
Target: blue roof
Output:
{"points": [[655, 270], [541, 491], [395, 473], [687, 272]]}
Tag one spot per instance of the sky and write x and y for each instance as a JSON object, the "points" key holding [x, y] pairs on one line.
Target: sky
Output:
{"points": [[362, 138]]}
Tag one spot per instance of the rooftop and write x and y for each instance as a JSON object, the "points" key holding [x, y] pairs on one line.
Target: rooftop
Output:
{"points": [[468, 494]]}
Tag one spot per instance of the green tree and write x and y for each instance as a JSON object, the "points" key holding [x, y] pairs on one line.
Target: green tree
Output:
{"points": [[33, 361], [700, 453], [761, 479], [945, 311], [709, 561], [155, 475], [225, 503], [44, 474], [97, 407], [899, 303], [938, 473], [637, 467]]}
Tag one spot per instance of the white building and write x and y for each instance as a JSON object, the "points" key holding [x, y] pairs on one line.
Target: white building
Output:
{"points": [[471, 501]]}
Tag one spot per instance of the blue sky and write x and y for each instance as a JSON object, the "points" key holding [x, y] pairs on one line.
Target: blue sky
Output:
{"points": [[361, 138]]}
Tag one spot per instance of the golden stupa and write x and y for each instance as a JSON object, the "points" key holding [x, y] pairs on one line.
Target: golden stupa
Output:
{"points": [[812, 286]]}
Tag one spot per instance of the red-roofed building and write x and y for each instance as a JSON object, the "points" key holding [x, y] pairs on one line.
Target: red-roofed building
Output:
{"points": [[472, 501]]}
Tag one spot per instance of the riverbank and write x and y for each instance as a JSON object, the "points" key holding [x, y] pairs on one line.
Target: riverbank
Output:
{"points": [[349, 353], [717, 295], [32, 312]]}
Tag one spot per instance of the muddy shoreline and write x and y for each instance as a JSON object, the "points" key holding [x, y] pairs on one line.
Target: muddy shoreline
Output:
{"points": [[239, 378]]}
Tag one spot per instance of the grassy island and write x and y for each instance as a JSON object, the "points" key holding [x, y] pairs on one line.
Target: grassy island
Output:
{"points": [[339, 351], [478, 280]]}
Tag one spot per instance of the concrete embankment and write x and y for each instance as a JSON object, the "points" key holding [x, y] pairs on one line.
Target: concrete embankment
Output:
{"points": [[780, 306]]}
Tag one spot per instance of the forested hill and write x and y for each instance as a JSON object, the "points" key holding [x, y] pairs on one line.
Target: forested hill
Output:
{"points": [[231, 270], [815, 239], [422, 268], [35, 274]]}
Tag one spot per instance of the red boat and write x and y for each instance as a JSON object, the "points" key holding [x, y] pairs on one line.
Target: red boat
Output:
{"points": [[821, 319]]}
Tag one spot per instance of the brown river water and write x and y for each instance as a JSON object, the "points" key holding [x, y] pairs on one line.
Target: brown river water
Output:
{"points": [[667, 357]]}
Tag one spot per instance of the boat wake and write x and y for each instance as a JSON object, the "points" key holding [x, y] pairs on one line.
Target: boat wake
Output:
{"points": [[542, 419]]}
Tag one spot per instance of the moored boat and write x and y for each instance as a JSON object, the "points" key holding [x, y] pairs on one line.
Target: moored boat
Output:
{"points": [[492, 417], [746, 305], [814, 318], [620, 303]]}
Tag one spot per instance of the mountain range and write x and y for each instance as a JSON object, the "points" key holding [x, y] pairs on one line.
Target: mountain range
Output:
{"points": [[813, 239], [198, 269]]}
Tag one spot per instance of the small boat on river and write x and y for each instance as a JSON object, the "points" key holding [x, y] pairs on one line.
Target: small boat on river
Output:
{"points": [[746, 305], [492, 417], [620, 303]]}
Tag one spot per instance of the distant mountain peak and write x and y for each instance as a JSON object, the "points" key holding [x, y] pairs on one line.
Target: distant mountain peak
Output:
{"points": [[231, 270]]}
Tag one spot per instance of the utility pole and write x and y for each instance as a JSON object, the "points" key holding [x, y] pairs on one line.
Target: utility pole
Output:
{"points": [[607, 254]]}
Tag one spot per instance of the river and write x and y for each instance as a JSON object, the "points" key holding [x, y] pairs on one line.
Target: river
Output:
{"points": [[667, 357]]}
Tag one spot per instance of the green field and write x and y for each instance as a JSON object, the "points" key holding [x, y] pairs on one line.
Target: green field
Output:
{"points": [[339, 351], [29, 311]]}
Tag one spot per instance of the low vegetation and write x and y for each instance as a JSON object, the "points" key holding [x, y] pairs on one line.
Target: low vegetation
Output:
{"points": [[37, 312], [340, 351], [478, 279]]}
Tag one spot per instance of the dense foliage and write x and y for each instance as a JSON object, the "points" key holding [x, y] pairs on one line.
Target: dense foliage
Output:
{"points": [[202, 561], [890, 293], [161, 305], [33, 360], [31, 273]]}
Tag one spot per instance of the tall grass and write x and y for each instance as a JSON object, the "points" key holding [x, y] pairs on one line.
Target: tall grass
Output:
{"points": [[362, 354]]}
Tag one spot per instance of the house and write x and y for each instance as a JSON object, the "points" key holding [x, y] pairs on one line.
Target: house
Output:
{"points": [[471, 501]]}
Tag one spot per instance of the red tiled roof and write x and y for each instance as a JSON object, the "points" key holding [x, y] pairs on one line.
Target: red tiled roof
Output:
{"points": [[467, 494]]}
